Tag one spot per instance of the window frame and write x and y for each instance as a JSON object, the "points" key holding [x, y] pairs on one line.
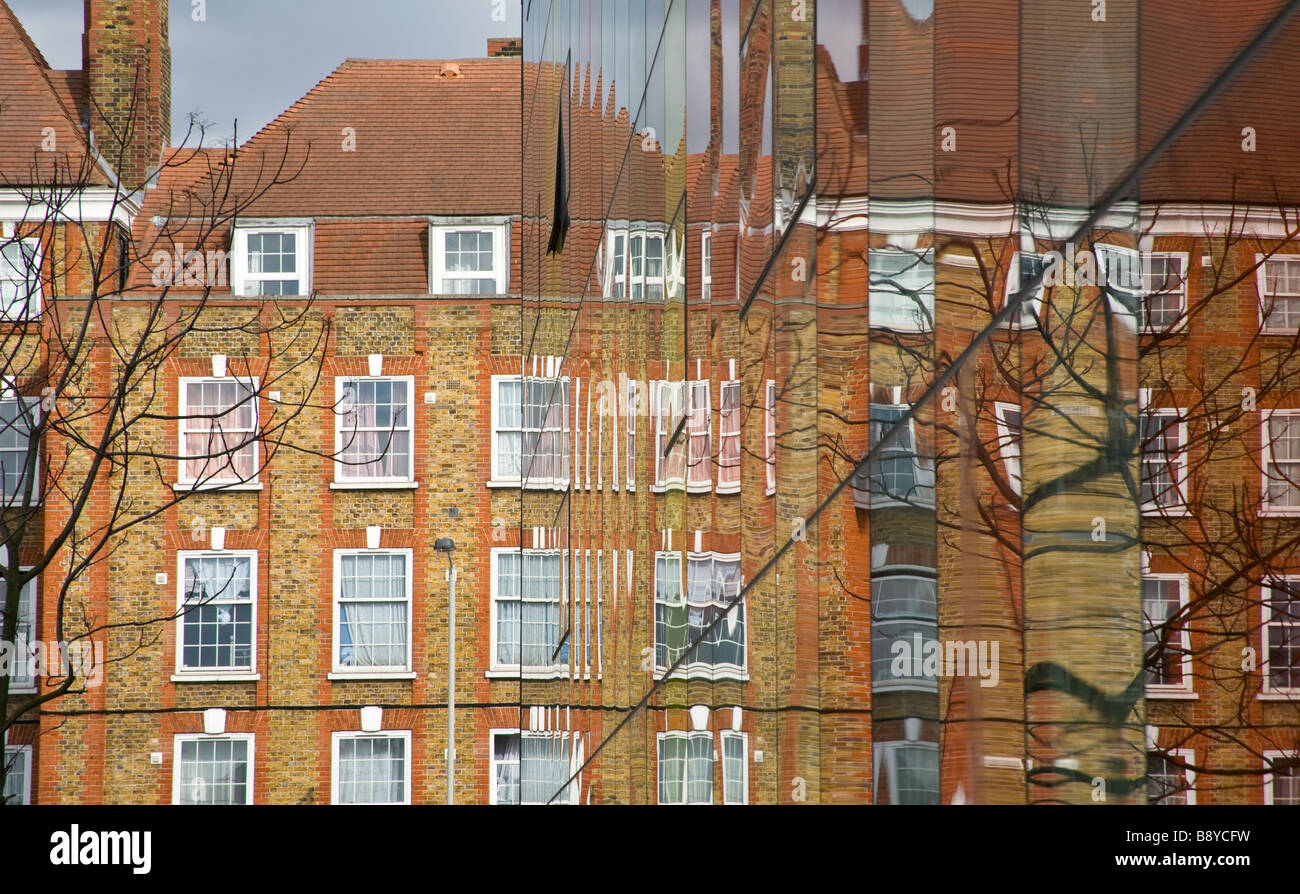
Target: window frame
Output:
{"points": [[884, 756], [213, 482], [32, 617], [574, 742], [526, 671], [377, 482], [1269, 756], [697, 669], [1178, 463], [920, 469], [693, 434], [664, 428], [1266, 507], [568, 460], [35, 289], [499, 227], [769, 434], [336, 740], [633, 391], [733, 385], [1180, 324], [370, 672], [1266, 611], [743, 738], [685, 736], [706, 264], [1261, 284], [214, 673], [1009, 442], [1031, 308], [241, 280], [887, 320], [37, 419], [27, 754], [625, 285], [250, 762], [1184, 688], [1186, 754], [900, 621]]}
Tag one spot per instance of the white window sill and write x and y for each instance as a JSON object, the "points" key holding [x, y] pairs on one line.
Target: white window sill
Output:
{"points": [[211, 486], [1179, 512], [1279, 512], [365, 484], [215, 678], [515, 485], [771, 491], [698, 672], [24, 689], [1279, 695], [912, 684], [699, 488], [371, 675], [1171, 694], [498, 674], [665, 488], [724, 489]]}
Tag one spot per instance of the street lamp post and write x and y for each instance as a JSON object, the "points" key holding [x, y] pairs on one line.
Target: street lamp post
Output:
{"points": [[446, 545]]}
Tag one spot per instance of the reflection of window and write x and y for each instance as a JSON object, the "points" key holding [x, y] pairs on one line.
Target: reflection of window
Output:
{"points": [[530, 425], [634, 262], [1167, 782], [528, 591], [1282, 634], [699, 472], [20, 279], [1281, 778], [1119, 270], [469, 259], [372, 768], [1164, 290], [1281, 438], [372, 612], [217, 598], [532, 767], [901, 290], [906, 773], [1022, 270], [1166, 644], [632, 411], [18, 775], [729, 438], [1164, 460], [271, 261], [904, 604], [681, 617], [706, 266], [213, 769], [1008, 422], [686, 768], [373, 430], [1278, 281], [669, 406], [735, 768], [769, 429], [21, 678], [900, 474], [19, 417], [218, 431]]}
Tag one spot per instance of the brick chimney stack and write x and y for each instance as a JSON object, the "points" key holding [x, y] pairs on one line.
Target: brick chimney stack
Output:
{"points": [[504, 46], [127, 60]]}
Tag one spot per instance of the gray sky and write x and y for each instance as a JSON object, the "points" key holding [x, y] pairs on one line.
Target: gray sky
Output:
{"points": [[252, 59]]}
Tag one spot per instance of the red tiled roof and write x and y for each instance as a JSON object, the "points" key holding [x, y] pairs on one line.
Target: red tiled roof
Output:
{"points": [[34, 97]]}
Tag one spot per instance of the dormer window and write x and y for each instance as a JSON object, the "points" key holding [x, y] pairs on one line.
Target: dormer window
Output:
{"points": [[469, 256], [271, 258]]}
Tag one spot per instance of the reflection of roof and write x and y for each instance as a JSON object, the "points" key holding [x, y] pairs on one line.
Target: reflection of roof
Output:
{"points": [[34, 97]]}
